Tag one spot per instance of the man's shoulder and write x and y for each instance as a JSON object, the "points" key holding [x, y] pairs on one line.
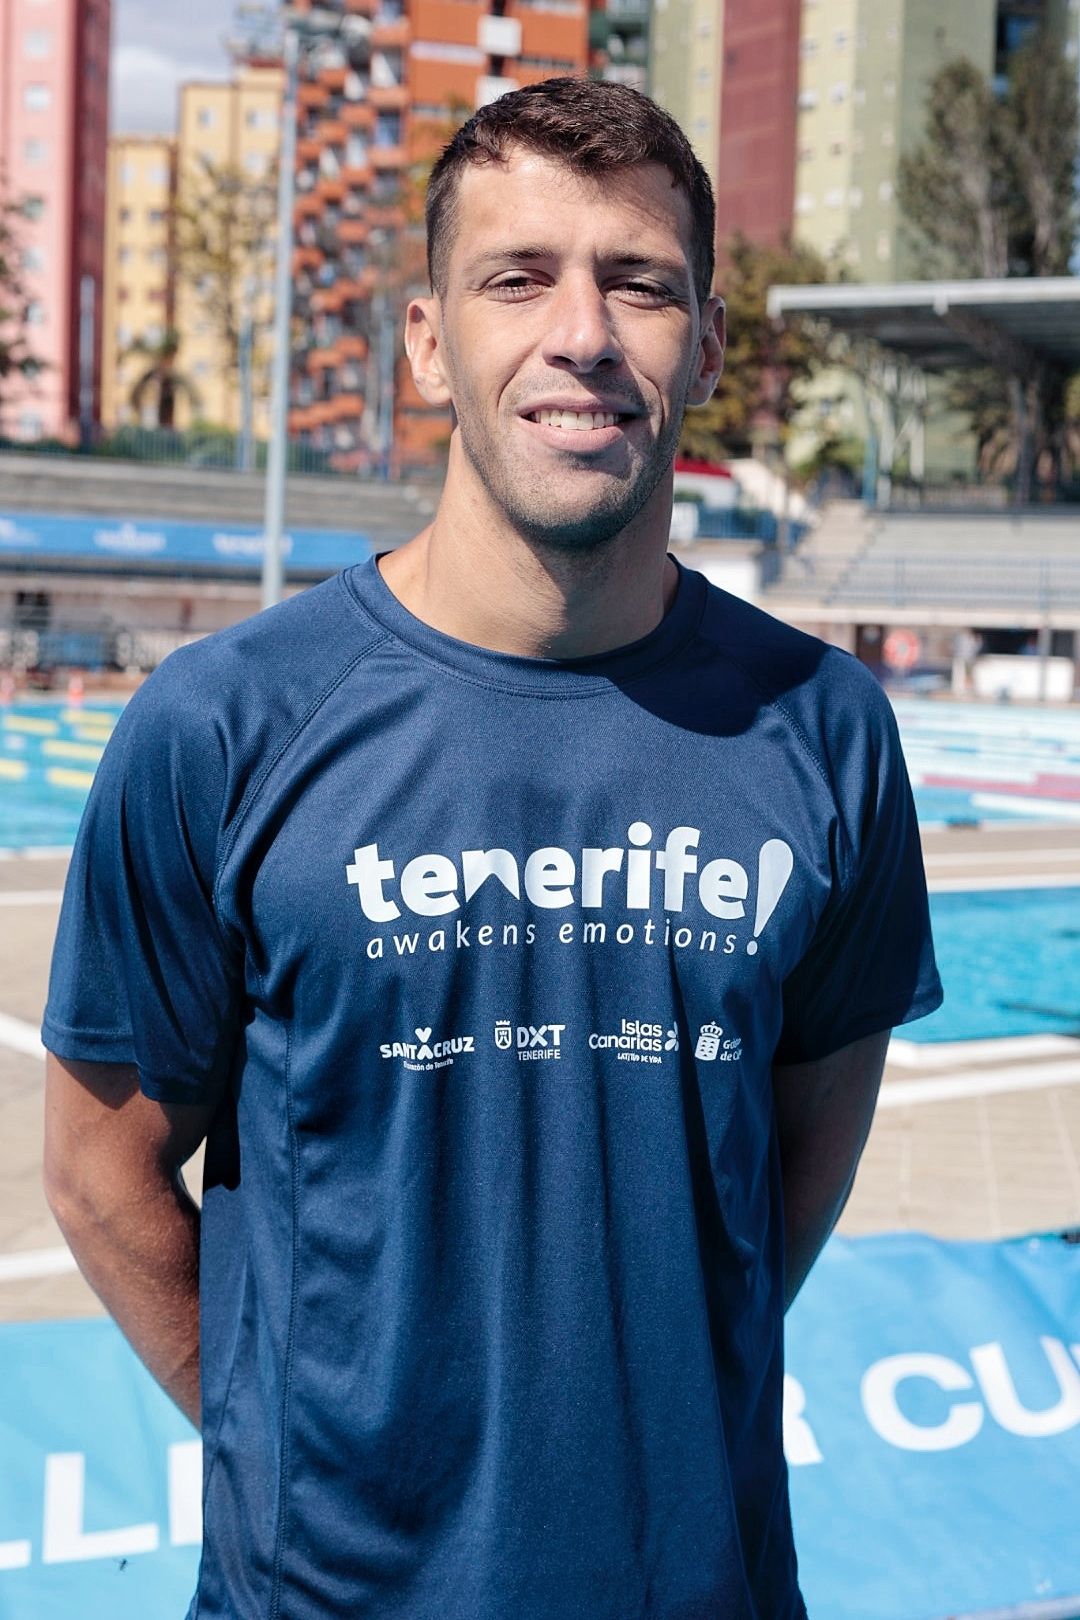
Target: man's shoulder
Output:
{"points": [[788, 666]]}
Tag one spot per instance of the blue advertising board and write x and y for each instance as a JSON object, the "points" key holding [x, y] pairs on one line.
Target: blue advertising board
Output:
{"points": [[236, 547], [932, 1426]]}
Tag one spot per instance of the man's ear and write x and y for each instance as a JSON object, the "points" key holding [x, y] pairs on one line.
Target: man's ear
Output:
{"points": [[710, 362], [423, 325]]}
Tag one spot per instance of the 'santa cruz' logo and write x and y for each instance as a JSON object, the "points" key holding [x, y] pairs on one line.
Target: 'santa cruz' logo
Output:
{"points": [[423, 1053]]}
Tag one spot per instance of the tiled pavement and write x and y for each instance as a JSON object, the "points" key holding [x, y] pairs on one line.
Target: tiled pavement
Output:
{"points": [[959, 1155]]}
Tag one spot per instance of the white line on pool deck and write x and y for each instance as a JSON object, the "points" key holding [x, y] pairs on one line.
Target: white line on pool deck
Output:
{"points": [[19, 1036], [33, 1263], [32, 897], [966, 1054], [987, 857], [988, 1082]]}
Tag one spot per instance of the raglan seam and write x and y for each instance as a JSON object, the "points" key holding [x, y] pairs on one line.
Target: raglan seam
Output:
{"points": [[259, 782]]}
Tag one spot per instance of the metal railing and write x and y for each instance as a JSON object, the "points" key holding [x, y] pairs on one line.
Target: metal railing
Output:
{"points": [[211, 449]]}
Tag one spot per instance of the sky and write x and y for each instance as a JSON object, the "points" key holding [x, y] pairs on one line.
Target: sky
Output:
{"points": [[154, 48]]}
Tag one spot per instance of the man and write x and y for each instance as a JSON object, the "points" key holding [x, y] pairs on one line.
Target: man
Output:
{"points": [[521, 921]]}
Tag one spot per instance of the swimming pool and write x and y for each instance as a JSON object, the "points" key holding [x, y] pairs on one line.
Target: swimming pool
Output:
{"points": [[1010, 964], [1001, 763], [48, 755]]}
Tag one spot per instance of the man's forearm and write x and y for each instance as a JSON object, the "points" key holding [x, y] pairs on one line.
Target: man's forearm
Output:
{"points": [[823, 1114], [141, 1258]]}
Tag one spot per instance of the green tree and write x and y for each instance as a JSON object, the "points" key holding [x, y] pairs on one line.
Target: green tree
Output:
{"points": [[757, 395], [16, 356], [224, 228], [160, 379], [989, 192]]}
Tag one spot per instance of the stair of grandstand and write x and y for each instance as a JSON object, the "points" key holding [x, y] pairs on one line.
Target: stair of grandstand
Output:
{"points": [[1027, 560], [139, 490]]}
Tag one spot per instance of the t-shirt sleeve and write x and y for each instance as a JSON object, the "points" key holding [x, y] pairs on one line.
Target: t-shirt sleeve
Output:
{"points": [[143, 971], [870, 964]]}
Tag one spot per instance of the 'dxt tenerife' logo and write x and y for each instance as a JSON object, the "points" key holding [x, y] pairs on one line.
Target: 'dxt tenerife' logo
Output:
{"points": [[533, 1041], [423, 1053]]}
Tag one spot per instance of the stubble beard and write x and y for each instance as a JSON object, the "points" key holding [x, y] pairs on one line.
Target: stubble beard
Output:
{"points": [[530, 500]]}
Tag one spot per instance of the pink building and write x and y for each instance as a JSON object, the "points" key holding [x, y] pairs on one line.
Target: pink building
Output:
{"points": [[54, 113]]}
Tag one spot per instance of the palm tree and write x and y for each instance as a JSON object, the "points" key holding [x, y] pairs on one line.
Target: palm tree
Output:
{"points": [[161, 377]]}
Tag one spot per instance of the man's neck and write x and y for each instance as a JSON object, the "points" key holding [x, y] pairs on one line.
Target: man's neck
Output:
{"points": [[472, 576]]}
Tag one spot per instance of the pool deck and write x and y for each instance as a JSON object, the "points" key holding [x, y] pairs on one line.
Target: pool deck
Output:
{"points": [[979, 1141]]}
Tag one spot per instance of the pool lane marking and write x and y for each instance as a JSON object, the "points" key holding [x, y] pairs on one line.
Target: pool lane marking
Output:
{"points": [[19, 1036], [1017, 880], [31, 897], [986, 1083], [31, 1263], [1051, 809]]}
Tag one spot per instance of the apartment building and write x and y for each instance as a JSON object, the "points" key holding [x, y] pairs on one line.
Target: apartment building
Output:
{"points": [[728, 71], [228, 142], [866, 67], [139, 285], [54, 86], [378, 97]]}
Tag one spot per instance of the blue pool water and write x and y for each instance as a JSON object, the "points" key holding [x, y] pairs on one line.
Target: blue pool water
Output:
{"points": [[48, 754], [1009, 962]]}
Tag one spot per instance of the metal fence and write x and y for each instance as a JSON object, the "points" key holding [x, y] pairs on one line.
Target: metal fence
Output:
{"points": [[215, 449]]}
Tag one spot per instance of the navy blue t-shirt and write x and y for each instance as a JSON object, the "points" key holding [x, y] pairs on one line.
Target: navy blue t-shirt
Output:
{"points": [[486, 961]]}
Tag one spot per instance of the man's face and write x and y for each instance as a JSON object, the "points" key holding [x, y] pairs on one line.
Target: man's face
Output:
{"points": [[569, 341]]}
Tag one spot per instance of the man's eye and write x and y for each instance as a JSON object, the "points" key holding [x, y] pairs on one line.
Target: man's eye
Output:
{"points": [[513, 286], [645, 289]]}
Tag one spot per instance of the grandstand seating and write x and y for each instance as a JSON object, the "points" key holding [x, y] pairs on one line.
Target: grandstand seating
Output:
{"points": [[139, 490], [996, 561]]}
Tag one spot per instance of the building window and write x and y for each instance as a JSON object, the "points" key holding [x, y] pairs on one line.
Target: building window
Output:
{"points": [[127, 174], [158, 175], [840, 39], [37, 97], [884, 245], [33, 258], [889, 88], [855, 197], [888, 136], [808, 46], [124, 255], [155, 216], [704, 74], [885, 191], [33, 208], [838, 92], [804, 203], [355, 150], [36, 152], [125, 216], [35, 312], [255, 164], [806, 154], [387, 129], [808, 99], [37, 44], [205, 118], [834, 198], [837, 148]]}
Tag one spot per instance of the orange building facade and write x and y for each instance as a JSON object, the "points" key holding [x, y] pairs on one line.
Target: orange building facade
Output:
{"points": [[377, 100]]}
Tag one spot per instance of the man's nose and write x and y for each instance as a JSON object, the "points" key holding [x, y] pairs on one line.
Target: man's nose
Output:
{"points": [[581, 331]]}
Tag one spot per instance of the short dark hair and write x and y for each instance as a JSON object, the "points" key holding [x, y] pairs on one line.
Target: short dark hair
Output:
{"points": [[590, 125]]}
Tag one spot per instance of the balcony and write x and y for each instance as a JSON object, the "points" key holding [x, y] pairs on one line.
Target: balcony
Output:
{"points": [[332, 132], [312, 95], [354, 230], [333, 77], [499, 36], [358, 115], [387, 157], [393, 33], [388, 98], [330, 191]]}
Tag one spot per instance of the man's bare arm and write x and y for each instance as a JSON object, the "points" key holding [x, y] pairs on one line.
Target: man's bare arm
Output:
{"points": [[112, 1179], [823, 1115]]}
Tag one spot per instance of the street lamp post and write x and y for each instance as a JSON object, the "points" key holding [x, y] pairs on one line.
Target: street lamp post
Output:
{"points": [[277, 451]]}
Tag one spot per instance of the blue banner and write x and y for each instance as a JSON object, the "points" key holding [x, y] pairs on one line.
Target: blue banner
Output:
{"points": [[236, 547], [932, 1426]]}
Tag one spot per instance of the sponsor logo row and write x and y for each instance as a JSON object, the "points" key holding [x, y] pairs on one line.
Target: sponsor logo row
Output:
{"points": [[634, 1041]]}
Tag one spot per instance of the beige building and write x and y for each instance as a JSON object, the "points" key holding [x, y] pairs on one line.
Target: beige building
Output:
{"points": [[685, 67], [137, 304], [227, 149]]}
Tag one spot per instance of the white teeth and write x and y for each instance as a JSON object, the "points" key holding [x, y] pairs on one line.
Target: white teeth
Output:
{"points": [[575, 421]]}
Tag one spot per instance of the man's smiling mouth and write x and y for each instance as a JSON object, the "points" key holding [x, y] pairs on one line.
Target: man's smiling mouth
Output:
{"points": [[577, 421]]}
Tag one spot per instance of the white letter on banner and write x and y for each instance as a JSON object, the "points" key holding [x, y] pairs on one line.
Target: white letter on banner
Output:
{"points": [[64, 1541], [800, 1447], [1003, 1401], [185, 1493], [14, 1554], [879, 1403]]}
